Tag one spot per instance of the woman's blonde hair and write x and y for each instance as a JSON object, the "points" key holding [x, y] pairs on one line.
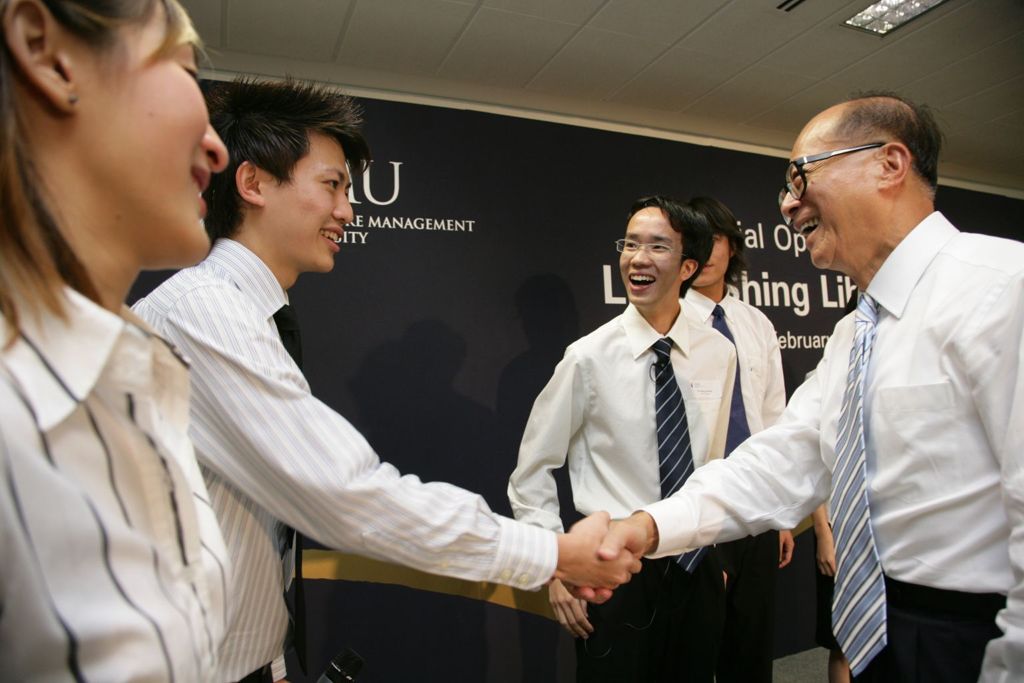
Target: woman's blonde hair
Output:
{"points": [[36, 262]]}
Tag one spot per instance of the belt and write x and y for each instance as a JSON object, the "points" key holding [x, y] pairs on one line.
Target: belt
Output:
{"points": [[942, 601]]}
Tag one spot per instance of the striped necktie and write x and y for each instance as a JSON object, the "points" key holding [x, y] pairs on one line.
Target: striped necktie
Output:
{"points": [[858, 607], [675, 457], [739, 428]]}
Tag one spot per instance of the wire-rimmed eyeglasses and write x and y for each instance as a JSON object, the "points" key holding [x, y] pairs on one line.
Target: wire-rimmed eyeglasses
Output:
{"points": [[628, 246]]}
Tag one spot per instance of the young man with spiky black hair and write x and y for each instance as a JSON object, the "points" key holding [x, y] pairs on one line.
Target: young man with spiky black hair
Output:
{"points": [[274, 455]]}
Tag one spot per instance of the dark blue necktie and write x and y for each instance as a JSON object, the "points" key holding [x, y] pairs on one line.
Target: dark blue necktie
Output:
{"points": [[739, 429], [675, 456]]}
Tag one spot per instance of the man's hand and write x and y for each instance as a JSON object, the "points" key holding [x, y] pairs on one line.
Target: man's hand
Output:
{"points": [[786, 544], [571, 611], [637, 533], [579, 562], [826, 557]]}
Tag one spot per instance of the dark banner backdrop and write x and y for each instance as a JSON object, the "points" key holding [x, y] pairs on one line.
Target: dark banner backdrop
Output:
{"points": [[482, 247]]}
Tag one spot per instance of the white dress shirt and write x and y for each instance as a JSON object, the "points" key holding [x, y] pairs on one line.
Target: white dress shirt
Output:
{"points": [[113, 567], [757, 355], [273, 453], [598, 410], [944, 402]]}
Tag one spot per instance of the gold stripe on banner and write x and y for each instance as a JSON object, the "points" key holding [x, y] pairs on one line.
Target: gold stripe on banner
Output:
{"points": [[333, 565]]}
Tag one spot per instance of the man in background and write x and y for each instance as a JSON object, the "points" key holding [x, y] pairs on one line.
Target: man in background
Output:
{"points": [[758, 398]]}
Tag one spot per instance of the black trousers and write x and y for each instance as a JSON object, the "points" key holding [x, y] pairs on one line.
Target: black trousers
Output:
{"points": [[748, 637], [934, 636], [664, 625]]}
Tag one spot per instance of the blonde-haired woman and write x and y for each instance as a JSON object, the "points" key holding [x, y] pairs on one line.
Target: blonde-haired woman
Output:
{"points": [[112, 567]]}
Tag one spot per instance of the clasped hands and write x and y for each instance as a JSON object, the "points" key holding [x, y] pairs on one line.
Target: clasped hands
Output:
{"points": [[598, 555]]}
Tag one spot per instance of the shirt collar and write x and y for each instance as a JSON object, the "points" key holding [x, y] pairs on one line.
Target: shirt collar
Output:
{"points": [[57, 362], [894, 282], [249, 273], [641, 336], [704, 306]]}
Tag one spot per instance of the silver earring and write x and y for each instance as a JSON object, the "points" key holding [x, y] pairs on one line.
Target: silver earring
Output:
{"points": [[73, 99]]}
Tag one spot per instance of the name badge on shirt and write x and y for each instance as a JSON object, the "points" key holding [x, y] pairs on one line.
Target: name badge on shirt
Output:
{"points": [[706, 390]]}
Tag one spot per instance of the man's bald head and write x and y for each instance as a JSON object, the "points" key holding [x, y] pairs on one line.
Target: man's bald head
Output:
{"points": [[887, 116]]}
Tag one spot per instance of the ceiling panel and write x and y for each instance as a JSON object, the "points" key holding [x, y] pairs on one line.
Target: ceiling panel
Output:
{"points": [[930, 46], [823, 52], [206, 16], [595, 63], [990, 104], [387, 34], [750, 92], [299, 29], [989, 67], [677, 78], [575, 12], [500, 48], [657, 20], [719, 33]]}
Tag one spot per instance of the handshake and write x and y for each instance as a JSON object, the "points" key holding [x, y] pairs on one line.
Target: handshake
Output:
{"points": [[598, 554]]}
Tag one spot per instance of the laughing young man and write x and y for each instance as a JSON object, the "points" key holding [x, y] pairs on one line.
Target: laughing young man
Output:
{"points": [[274, 455], [635, 406]]}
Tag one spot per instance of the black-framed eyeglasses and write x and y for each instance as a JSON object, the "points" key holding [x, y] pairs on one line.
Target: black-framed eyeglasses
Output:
{"points": [[796, 175], [653, 248]]}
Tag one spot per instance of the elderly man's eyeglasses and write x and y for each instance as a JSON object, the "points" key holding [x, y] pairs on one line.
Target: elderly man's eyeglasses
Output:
{"points": [[796, 174], [653, 248]]}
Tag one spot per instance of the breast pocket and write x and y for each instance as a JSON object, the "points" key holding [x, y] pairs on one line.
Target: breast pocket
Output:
{"points": [[919, 440]]}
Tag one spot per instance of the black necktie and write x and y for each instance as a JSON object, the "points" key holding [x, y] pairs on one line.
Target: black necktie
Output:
{"points": [[739, 429], [288, 328], [675, 456]]}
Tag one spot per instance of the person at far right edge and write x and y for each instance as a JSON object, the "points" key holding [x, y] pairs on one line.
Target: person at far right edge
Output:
{"points": [[912, 426], [758, 398]]}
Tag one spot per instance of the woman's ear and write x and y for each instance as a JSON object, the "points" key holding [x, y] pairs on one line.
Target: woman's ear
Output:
{"points": [[38, 45]]}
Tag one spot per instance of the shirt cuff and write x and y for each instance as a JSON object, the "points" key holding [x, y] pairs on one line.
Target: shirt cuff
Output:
{"points": [[278, 670], [527, 555], [676, 519]]}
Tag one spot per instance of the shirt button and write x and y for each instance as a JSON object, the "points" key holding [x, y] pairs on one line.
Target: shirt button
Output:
{"points": [[506, 575], [524, 580]]}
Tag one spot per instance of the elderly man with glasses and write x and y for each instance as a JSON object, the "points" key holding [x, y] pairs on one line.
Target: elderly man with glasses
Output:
{"points": [[912, 426]]}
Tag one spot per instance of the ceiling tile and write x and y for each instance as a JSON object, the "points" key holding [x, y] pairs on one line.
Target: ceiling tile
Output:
{"points": [[986, 68], [749, 93], [822, 52], [504, 49], [989, 104], [594, 63], [390, 34], [657, 20], [299, 29], [747, 31], [575, 12], [677, 78], [934, 42], [206, 16]]}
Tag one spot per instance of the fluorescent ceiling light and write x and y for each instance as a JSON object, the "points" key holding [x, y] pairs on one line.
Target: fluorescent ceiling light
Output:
{"points": [[887, 15]]}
